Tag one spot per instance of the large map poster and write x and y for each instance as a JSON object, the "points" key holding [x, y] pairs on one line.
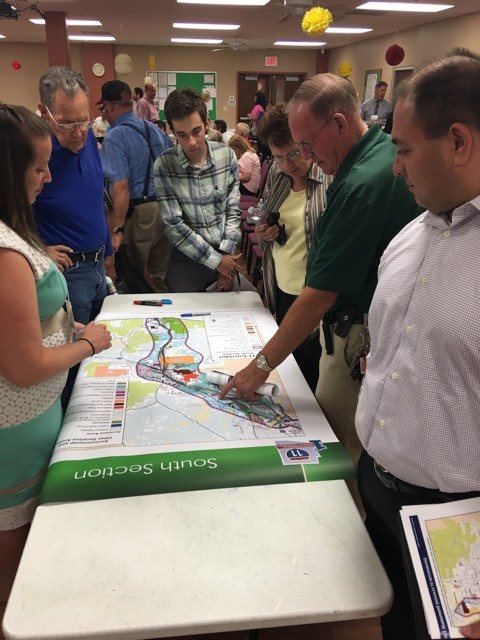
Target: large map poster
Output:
{"points": [[143, 418]]}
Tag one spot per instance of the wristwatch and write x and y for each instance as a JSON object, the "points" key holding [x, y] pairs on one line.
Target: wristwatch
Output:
{"points": [[118, 229], [262, 363]]}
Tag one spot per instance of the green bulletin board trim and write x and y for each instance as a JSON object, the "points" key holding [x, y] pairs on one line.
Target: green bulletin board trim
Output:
{"points": [[198, 80]]}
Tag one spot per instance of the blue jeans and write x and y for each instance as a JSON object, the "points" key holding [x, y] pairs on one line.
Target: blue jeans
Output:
{"points": [[86, 288]]}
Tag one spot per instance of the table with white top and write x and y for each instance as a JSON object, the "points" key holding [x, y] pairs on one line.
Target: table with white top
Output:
{"points": [[196, 562]]}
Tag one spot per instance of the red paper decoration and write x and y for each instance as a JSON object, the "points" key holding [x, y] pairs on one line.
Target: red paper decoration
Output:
{"points": [[16, 65], [394, 55]]}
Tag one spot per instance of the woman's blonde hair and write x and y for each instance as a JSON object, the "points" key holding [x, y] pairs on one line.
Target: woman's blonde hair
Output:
{"points": [[239, 144]]}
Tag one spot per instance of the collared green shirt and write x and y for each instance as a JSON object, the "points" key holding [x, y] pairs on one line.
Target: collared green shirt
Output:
{"points": [[366, 207]]}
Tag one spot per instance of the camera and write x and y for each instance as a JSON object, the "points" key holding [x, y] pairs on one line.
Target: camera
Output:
{"points": [[272, 219]]}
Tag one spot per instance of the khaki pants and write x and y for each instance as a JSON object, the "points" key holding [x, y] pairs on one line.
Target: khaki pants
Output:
{"points": [[337, 392], [145, 233]]}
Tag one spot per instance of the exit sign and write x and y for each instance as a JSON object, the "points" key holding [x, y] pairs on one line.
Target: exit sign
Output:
{"points": [[271, 61]]}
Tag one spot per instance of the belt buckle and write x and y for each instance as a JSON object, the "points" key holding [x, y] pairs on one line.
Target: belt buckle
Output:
{"points": [[98, 254], [387, 479], [82, 253]]}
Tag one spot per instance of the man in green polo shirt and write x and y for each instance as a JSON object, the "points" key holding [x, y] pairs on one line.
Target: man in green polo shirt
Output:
{"points": [[366, 207]]}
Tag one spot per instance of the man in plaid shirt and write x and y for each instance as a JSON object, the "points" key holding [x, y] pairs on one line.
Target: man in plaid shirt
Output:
{"points": [[197, 189]]}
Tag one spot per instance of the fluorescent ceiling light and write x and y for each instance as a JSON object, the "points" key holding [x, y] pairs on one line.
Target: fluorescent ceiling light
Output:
{"points": [[239, 3], [405, 6], [92, 38], [196, 40], [210, 27], [291, 43], [72, 23], [346, 30]]}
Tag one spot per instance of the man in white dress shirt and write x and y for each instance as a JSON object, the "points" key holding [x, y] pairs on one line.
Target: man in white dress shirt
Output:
{"points": [[418, 416], [376, 109]]}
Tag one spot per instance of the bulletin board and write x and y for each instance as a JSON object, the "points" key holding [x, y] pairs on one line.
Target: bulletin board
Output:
{"points": [[167, 81]]}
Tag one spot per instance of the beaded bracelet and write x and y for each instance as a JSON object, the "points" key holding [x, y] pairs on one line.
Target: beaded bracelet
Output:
{"points": [[87, 340]]}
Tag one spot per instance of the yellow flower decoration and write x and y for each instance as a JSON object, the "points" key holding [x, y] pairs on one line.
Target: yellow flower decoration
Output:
{"points": [[316, 20], [345, 69], [151, 61]]}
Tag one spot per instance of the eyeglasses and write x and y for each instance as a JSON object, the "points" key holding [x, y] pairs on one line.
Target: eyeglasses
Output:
{"points": [[291, 157], [307, 146], [70, 126]]}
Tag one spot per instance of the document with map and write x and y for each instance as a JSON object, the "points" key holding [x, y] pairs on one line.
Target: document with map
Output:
{"points": [[444, 545], [143, 418]]}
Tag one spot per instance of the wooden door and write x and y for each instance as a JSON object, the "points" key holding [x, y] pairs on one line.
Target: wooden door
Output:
{"points": [[278, 87]]}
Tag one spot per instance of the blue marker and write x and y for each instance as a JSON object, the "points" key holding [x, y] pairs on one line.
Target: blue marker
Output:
{"points": [[193, 315], [166, 301]]}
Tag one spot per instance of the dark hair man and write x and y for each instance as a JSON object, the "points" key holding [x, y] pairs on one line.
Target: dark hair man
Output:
{"points": [[220, 125], [418, 414], [198, 194], [376, 109], [137, 93]]}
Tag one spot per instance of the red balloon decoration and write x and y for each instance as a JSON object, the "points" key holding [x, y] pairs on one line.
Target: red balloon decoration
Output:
{"points": [[394, 55], [16, 65]]}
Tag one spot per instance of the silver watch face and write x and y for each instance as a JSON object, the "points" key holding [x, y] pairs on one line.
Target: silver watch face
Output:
{"points": [[262, 362]]}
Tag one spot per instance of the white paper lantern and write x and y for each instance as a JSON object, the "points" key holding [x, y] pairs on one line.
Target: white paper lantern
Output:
{"points": [[123, 64], [147, 80]]}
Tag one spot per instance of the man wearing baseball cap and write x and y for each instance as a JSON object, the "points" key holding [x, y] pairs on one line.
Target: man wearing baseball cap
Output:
{"points": [[128, 153]]}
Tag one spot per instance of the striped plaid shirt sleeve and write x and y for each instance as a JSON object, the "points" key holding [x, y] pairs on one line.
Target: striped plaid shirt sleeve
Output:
{"points": [[200, 206]]}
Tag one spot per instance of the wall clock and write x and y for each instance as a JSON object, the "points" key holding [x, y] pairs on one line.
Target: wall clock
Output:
{"points": [[98, 69]]}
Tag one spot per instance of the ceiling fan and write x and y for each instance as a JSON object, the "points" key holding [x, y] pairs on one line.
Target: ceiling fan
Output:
{"points": [[292, 9], [235, 44]]}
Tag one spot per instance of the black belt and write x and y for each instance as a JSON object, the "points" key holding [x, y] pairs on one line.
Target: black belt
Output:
{"points": [[86, 256], [143, 200], [424, 494], [334, 317]]}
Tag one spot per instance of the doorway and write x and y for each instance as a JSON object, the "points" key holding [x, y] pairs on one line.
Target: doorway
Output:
{"points": [[399, 75], [278, 87]]}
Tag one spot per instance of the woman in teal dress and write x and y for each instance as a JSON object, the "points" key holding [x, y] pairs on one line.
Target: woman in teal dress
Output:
{"points": [[35, 333]]}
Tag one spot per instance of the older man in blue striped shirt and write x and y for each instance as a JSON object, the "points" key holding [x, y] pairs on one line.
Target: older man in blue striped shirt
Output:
{"points": [[197, 189]]}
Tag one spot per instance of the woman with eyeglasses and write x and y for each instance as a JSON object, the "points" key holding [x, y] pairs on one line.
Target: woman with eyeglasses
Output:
{"points": [[295, 190], [35, 333]]}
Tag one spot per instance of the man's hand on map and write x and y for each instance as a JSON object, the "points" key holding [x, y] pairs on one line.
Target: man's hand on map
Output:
{"points": [[246, 382], [471, 631]]}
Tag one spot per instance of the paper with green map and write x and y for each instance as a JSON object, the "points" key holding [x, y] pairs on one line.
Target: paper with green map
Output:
{"points": [[444, 543], [144, 419]]}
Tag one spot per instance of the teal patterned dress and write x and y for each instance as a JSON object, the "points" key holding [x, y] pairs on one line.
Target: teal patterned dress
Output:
{"points": [[30, 418]]}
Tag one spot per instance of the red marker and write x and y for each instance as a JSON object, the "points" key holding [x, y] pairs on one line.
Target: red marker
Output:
{"points": [[149, 303]]}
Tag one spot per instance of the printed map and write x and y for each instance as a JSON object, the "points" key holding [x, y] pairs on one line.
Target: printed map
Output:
{"points": [[455, 543], [156, 373]]}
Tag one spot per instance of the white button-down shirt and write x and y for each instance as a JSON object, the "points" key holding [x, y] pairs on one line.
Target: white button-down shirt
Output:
{"points": [[419, 408]]}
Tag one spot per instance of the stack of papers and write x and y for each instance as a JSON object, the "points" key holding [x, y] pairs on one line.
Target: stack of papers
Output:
{"points": [[444, 545]]}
